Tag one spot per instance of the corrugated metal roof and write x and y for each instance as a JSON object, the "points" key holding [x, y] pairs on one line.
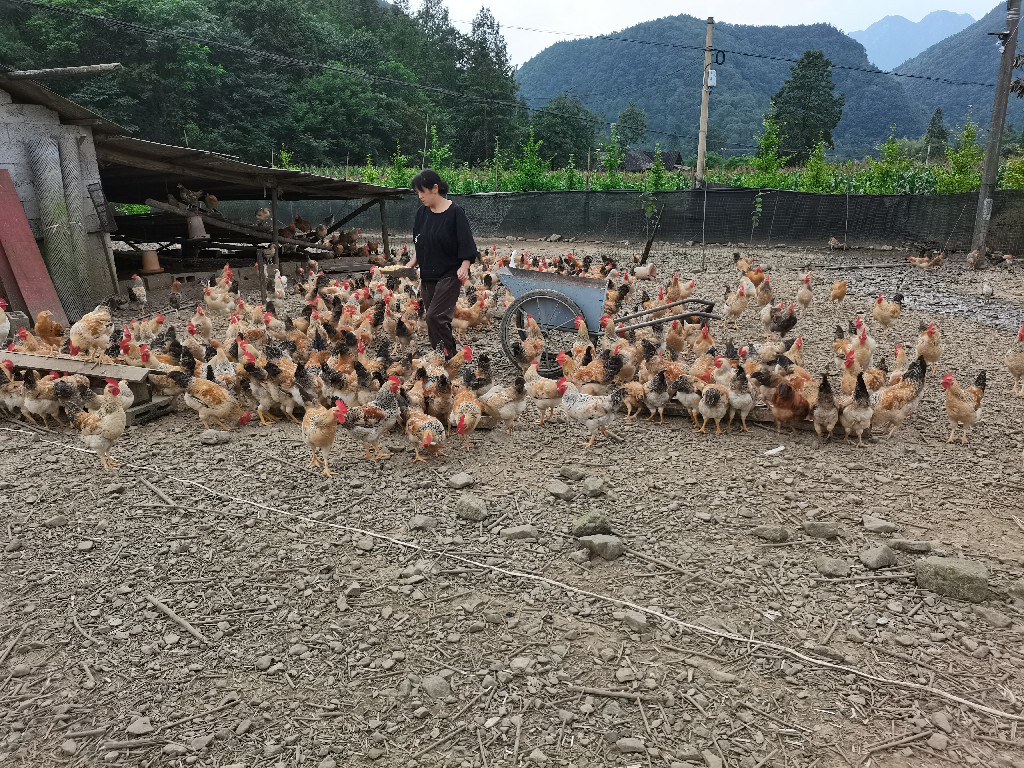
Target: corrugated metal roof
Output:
{"points": [[34, 92]]}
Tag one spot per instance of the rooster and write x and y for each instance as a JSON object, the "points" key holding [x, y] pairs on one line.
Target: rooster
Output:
{"points": [[594, 412], [895, 403], [963, 406], [319, 427], [101, 429], [424, 432], [376, 418]]}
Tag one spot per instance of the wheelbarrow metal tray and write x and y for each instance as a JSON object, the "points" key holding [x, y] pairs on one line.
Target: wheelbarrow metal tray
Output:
{"points": [[587, 293]]}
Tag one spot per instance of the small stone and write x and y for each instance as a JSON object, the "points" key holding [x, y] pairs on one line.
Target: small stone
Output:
{"points": [[591, 523], [520, 664], [877, 524], [175, 750], [85, 546], [908, 545], [140, 727], [69, 747], [878, 557], [832, 567], [471, 507], [538, 757], [364, 544], [773, 533], [436, 686], [635, 620], [953, 577], [113, 488], [263, 663], [992, 616], [1017, 588], [520, 532], [820, 529], [461, 480], [594, 486], [573, 472], [355, 589], [560, 490], [297, 650], [56, 521], [272, 750], [624, 675], [629, 746], [605, 547], [214, 437], [422, 523], [687, 752], [200, 742], [941, 721], [580, 556], [711, 760], [938, 741], [330, 762], [13, 546], [554, 238], [243, 727]]}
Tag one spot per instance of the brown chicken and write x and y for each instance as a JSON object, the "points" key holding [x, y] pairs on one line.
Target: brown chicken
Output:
{"points": [[764, 292], [426, 433], [963, 406], [90, 336], [543, 392], [735, 306], [102, 428], [504, 404], [319, 427], [885, 313], [1015, 364], [788, 406], [895, 403], [676, 291], [48, 330], [839, 290], [467, 411], [210, 400], [929, 345], [855, 413], [804, 295]]}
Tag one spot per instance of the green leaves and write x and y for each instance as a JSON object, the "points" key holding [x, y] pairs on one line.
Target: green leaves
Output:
{"points": [[805, 107]]}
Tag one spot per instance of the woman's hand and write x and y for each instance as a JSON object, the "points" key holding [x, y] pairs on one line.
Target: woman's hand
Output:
{"points": [[463, 273]]}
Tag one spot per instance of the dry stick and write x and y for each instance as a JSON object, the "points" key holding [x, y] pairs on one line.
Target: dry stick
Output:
{"points": [[87, 734], [434, 745], [828, 635], [160, 494], [483, 754], [196, 716], [877, 577], [665, 564], [898, 742], [10, 645], [613, 694], [176, 618], [515, 748]]}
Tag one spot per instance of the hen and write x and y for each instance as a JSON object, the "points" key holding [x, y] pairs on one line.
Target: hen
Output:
{"points": [[929, 345], [592, 411], [374, 419], [319, 427], [826, 414], [805, 296], [209, 400], [1015, 364], [101, 429], [963, 406], [885, 313], [713, 405], [741, 400], [855, 415], [48, 330], [504, 404], [839, 290], [90, 336], [788, 406], [895, 403], [424, 432], [466, 413], [544, 392]]}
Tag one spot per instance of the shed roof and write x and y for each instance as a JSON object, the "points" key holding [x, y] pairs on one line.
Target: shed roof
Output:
{"points": [[34, 92]]}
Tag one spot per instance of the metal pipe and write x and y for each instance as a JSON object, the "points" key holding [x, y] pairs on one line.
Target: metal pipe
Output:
{"points": [[708, 304], [626, 329]]}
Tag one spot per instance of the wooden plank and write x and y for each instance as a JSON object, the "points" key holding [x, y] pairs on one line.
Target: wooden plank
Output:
{"points": [[64, 364], [339, 224], [42, 74]]}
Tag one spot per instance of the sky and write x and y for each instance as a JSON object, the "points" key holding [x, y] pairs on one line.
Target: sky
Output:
{"points": [[572, 18]]}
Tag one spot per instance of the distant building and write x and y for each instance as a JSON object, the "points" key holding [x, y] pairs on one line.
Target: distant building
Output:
{"points": [[640, 160]]}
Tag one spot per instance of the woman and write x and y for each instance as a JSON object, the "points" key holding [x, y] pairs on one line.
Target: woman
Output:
{"points": [[444, 251]]}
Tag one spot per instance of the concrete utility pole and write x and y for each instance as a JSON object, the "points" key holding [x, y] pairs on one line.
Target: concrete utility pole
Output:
{"points": [[705, 95], [995, 131]]}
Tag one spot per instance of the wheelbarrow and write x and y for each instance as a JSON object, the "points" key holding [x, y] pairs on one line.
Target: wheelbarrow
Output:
{"points": [[555, 301]]}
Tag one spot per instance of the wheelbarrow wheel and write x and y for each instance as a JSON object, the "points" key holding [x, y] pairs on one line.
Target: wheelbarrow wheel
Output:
{"points": [[555, 313]]}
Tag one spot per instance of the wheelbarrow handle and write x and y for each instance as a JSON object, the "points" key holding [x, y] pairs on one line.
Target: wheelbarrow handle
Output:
{"points": [[708, 304], [627, 328]]}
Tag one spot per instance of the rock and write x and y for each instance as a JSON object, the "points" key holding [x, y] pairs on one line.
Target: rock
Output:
{"points": [[56, 521], [941, 721], [69, 747], [711, 760], [297, 650], [140, 727], [538, 757], [200, 742], [580, 556], [878, 557], [993, 617], [1017, 588], [520, 532], [877, 524], [953, 577], [687, 752], [560, 490], [214, 437], [832, 567], [593, 486], [461, 480], [605, 547], [113, 488], [938, 741], [13, 546], [773, 533], [364, 544], [908, 545], [554, 238], [85, 546], [573, 472], [630, 746], [436, 686], [471, 507], [520, 664], [624, 675], [591, 523], [820, 529], [422, 523], [263, 663], [635, 620], [175, 750]]}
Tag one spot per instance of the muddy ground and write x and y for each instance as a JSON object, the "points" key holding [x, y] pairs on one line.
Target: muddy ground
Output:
{"points": [[332, 626]]}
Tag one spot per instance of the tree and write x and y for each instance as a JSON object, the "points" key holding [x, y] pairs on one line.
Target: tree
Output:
{"points": [[632, 125], [567, 128], [963, 173], [936, 138], [805, 107]]}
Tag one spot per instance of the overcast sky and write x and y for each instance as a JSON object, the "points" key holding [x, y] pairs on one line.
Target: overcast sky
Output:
{"points": [[598, 17]]}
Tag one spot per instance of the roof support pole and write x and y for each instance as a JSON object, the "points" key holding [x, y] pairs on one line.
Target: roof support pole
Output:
{"points": [[385, 242], [274, 227]]}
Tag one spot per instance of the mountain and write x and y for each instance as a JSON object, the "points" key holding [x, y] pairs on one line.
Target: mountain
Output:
{"points": [[970, 56], [658, 65], [894, 39]]}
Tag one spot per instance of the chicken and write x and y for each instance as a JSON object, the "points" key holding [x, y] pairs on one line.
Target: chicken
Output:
{"points": [[209, 400], [424, 432], [1015, 364], [592, 411], [703, 342], [764, 294], [645, 272], [804, 295], [90, 336], [788, 406], [929, 345], [174, 297], [885, 312], [835, 244], [543, 392], [102, 428], [5, 322], [839, 290], [504, 404], [138, 292], [735, 306], [280, 285], [677, 291], [656, 396], [826, 414], [373, 420], [863, 348], [963, 406], [28, 342], [187, 196], [895, 403], [48, 330], [900, 365], [741, 401], [533, 344], [467, 411], [784, 321], [39, 398], [684, 392], [210, 200], [713, 405], [856, 414], [319, 427]]}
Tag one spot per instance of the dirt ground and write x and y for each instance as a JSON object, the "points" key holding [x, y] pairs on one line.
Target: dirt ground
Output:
{"points": [[333, 628]]}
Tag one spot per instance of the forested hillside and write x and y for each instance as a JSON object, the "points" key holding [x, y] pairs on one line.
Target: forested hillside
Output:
{"points": [[891, 41], [233, 75]]}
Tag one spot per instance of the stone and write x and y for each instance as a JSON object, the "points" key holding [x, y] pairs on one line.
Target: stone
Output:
{"points": [[554, 238], [1017, 588], [85, 546], [941, 721], [436, 686], [175, 750], [422, 523], [471, 507], [820, 529], [140, 727], [687, 752], [594, 486], [591, 523], [538, 757], [711, 760], [635, 620], [877, 524], [628, 746], [214, 437], [878, 557], [560, 490], [297, 650], [832, 567], [200, 742], [938, 741], [573, 472], [624, 675], [992, 616], [954, 577], [461, 480], [911, 546], [364, 544], [69, 747], [603, 546], [13, 546], [520, 532], [56, 521], [773, 533], [263, 663]]}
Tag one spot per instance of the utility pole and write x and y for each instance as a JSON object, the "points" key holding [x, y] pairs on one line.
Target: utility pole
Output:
{"points": [[1008, 39], [705, 95]]}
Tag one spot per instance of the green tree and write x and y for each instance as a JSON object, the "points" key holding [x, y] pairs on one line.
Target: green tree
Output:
{"points": [[612, 154], [567, 128], [632, 124], [963, 173], [530, 170], [806, 107], [936, 138], [769, 158]]}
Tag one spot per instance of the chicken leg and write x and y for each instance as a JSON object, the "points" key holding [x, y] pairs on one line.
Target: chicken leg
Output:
{"points": [[327, 469], [313, 460], [382, 453]]}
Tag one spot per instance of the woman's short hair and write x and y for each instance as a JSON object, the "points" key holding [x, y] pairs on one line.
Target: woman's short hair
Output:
{"points": [[427, 179]]}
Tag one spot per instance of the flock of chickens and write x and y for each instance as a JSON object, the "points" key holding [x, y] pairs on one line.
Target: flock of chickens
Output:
{"points": [[347, 362]]}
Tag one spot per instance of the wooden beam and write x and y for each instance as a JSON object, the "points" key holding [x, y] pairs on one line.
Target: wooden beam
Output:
{"points": [[384, 240], [105, 152], [275, 236], [339, 224], [218, 223], [131, 373], [42, 74]]}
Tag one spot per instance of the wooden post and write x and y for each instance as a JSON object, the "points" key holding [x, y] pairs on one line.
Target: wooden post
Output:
{"points": [[384, 239], [705, 95], [273, 226], [261, 267]]}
